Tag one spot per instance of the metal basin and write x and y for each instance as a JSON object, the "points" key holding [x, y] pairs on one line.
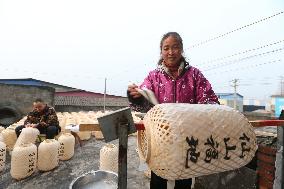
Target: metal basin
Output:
{"points": [[95, 180]]}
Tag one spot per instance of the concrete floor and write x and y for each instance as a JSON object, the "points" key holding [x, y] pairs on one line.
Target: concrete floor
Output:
{"points": [[85, 159]]}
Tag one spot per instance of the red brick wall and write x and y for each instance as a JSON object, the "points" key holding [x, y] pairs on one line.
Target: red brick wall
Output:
{"points": [[266, 157]]}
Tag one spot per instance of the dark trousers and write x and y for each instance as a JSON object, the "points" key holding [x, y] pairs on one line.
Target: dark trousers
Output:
{"points": [[50, 131], [160, 183]]}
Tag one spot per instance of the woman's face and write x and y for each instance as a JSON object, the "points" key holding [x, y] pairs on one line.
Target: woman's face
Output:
{"points": [[171, 51]]}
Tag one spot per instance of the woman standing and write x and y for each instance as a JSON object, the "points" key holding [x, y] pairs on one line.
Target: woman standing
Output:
{"points": [[173, 81]]}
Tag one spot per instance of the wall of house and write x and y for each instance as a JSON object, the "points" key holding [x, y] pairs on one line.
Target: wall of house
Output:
{"points": [[230, 103], [19, 98]]}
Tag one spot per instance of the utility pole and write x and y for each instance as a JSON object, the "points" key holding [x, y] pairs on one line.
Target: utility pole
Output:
{"points": [[105, 96], [235, 84]]}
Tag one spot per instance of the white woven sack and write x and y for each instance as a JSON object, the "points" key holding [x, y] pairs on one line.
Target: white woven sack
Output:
{"points": [[84, 119], [48, 157], [23, 161], [109, 158], [28, 135], [67, 144], [1, 129], [62, 123], [84, 135], [98, 135], [70, 121], [189, 140], [9, 137], [2, 155], [1, 138]]}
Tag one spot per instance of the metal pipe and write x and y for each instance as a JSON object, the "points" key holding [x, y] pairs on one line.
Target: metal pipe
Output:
{"points": [[122, 155]]}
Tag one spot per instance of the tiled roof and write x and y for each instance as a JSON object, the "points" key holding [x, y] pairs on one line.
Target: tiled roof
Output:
{"points": [[89, 101]]}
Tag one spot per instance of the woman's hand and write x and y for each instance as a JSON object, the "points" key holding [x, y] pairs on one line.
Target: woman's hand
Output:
{"points": [[133, 91]]}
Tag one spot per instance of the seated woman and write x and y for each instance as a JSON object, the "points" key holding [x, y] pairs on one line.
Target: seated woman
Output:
{"points": [[43, 118], [173, 81]]}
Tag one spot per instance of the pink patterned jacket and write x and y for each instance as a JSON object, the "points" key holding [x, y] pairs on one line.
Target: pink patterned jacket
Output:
{"points": [[190, 87]]}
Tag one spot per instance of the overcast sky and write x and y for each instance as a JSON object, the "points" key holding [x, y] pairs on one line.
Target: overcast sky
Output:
{"points": [[79, 43]]}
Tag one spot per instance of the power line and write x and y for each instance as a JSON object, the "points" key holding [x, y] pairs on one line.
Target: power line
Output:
{"points": [[215, 66], [253, 84], [246, 67], [240, 53], [262, 79], [242, 85], [259, 79], [240, 28]]}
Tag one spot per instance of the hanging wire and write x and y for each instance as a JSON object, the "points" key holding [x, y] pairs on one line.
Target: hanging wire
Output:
{"points": [[223, 64], [241, 53], [245, 68], [235, 30]]}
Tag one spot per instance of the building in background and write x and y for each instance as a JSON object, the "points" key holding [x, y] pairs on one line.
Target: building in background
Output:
{"points": [[277, 104], [35, 82], [229, 98], [256, 104], [71, 99], [75, 101], [16, 100]]}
